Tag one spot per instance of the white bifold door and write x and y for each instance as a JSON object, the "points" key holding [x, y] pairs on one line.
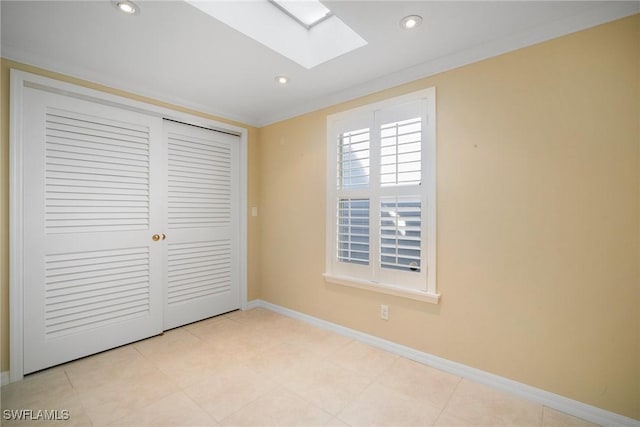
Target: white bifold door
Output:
{"points": [[201, 261], [130, 226]]}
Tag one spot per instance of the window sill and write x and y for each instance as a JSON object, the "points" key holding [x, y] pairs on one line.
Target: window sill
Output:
{"points": [[383, 288]]}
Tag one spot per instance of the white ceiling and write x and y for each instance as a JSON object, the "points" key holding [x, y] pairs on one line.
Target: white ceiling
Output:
{"points": [[173, 52]]}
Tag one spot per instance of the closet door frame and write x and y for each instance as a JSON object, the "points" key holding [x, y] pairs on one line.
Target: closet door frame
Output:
{"points": [[21, 80]]}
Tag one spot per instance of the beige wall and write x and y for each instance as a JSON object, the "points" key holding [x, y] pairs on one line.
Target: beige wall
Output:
{"points": [[538, 219], [252, 192]]}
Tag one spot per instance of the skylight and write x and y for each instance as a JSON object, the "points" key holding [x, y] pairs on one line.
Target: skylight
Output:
{"points": [[314, 36], [307, 12]]}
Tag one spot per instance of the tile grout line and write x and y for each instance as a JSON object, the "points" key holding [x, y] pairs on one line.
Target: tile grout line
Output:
{"points": [[446, 405], [354, 399], [182, 390], [77, 394]]}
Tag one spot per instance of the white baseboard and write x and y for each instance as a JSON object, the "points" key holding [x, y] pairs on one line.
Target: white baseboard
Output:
{"points": [[254, 304], [551, 400], [4, 378]]}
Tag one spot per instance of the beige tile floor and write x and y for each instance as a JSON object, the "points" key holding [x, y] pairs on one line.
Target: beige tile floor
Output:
{"points": [[258, 368]]}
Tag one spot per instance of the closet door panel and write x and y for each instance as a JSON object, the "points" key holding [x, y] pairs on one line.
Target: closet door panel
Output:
{"points": [[93, 185], [202, 224]]}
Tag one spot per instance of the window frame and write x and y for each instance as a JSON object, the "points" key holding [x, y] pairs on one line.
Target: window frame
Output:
{"points": [[373, 277]]}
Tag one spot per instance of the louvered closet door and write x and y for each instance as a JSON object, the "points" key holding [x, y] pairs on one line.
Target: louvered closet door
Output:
{"points": [[203, 228], [93, 274]]}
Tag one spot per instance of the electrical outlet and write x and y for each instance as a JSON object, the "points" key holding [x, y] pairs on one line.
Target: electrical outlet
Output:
{"points": [[384, 312]]}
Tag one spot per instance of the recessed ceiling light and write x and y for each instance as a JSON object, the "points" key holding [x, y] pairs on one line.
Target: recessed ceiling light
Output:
{"points": [[411, 21], [283, 80], [126, 6]]}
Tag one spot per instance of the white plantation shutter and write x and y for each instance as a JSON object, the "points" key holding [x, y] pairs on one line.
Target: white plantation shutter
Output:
{"points": [[401, 233], [353, 231], [384, 196], [401, 214], [354, 156], [401, 149]]}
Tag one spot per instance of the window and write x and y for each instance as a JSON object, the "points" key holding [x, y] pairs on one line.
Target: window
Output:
{"points": [[306, 32], [308, 13], [381, 197]]}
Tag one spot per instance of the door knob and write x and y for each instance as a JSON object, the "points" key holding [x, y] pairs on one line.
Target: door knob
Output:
{"points": [[164, 236], [155, 237]]}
